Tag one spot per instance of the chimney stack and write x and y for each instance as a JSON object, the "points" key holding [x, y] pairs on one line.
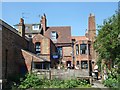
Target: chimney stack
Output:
{"points": [[91, 27], [44, 23], [21, 28]]}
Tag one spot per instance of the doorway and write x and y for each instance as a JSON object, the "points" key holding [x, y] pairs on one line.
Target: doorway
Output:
{"points": [[68, 64]]}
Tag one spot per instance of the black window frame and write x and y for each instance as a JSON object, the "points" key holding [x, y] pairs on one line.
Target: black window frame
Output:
{"points": [[38, 48], [77, 49], [84, 64], [83, 51]]}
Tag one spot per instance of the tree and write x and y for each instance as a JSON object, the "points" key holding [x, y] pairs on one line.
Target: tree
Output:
{"points": [[107, 43]]}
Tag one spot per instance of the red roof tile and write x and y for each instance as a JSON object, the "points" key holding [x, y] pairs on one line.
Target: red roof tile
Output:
{"points": [[64, 33]]}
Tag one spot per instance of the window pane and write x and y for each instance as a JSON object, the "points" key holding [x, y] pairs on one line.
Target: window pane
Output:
{"points": [[35, 27], [83, 48], [59, 50], [77, 49], [84, 65], [37, 47], [77, 62]]}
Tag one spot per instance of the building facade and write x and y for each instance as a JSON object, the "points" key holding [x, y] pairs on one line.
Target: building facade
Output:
{"points": [[71, 51], [38, 46], [20, 54]]}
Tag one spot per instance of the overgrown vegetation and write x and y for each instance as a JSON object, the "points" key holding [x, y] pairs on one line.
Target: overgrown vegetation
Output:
{"points": [[112, 81], [33, 81]]}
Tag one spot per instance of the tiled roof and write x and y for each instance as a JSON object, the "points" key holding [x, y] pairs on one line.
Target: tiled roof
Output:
{"points": [[64, 33], [80, 38], [29, 29]]}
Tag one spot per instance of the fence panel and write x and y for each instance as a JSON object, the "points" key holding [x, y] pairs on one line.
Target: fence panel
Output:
{"points": [[61, 73]]}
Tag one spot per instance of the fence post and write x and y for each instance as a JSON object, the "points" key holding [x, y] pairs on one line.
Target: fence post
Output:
{"points": [[50, 74]]}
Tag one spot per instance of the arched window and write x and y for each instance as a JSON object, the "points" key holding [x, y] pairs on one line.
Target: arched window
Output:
{"points": [[37, 48]]}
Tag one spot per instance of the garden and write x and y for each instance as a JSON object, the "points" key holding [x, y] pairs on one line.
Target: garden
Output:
{"points": [[33, 81]]}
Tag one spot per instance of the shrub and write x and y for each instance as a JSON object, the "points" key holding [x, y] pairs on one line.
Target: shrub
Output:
{"points": [[32, 81], [112, 80]]}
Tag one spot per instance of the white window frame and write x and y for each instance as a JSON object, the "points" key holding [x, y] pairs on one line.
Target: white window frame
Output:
{"points": [[35, 28], [53, 36]]}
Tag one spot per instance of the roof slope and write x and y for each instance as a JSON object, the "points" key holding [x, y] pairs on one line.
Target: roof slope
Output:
{"points": [[64, 33]]}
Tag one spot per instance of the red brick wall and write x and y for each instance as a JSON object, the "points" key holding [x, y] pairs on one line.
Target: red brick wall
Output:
{"points": [[47, 46], [67, 51], [28, 59], [13, 43]]}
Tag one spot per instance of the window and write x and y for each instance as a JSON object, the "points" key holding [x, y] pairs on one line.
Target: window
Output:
{"points": [[77, 63], [35, 27], [77, 49], [84, 65], [59, 50], [37, 48], [41, 65], [83, 49], [53, 35], [89, 48], [38, 65], [26, 28]]}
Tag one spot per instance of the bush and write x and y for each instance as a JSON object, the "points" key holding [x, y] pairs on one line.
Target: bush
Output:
{"points": [[112, 80], [32, 81], [111, 83]]}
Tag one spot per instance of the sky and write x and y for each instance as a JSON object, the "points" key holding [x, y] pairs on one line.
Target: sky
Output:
{"points": [[74, 14]]}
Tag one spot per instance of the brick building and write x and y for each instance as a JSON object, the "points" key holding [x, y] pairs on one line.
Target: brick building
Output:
{"points": [[84, 54], [61, 37], [40, 46], [20, 54], [59, 45]]}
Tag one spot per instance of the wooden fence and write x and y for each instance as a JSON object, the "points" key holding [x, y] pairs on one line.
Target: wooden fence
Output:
{"points": [[61, 73]]}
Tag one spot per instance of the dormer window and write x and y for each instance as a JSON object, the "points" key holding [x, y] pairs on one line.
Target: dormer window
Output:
{"points": [[54, 35], [35, 27]]}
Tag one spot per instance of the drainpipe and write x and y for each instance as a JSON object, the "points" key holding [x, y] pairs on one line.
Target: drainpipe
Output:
{"points": [[88, 59], [32, 64]]}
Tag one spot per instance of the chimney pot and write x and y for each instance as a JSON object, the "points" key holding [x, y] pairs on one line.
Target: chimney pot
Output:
{"points": [[21, 20]]}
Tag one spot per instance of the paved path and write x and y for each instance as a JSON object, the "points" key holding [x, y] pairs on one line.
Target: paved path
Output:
{"points": [[98, 84]]}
